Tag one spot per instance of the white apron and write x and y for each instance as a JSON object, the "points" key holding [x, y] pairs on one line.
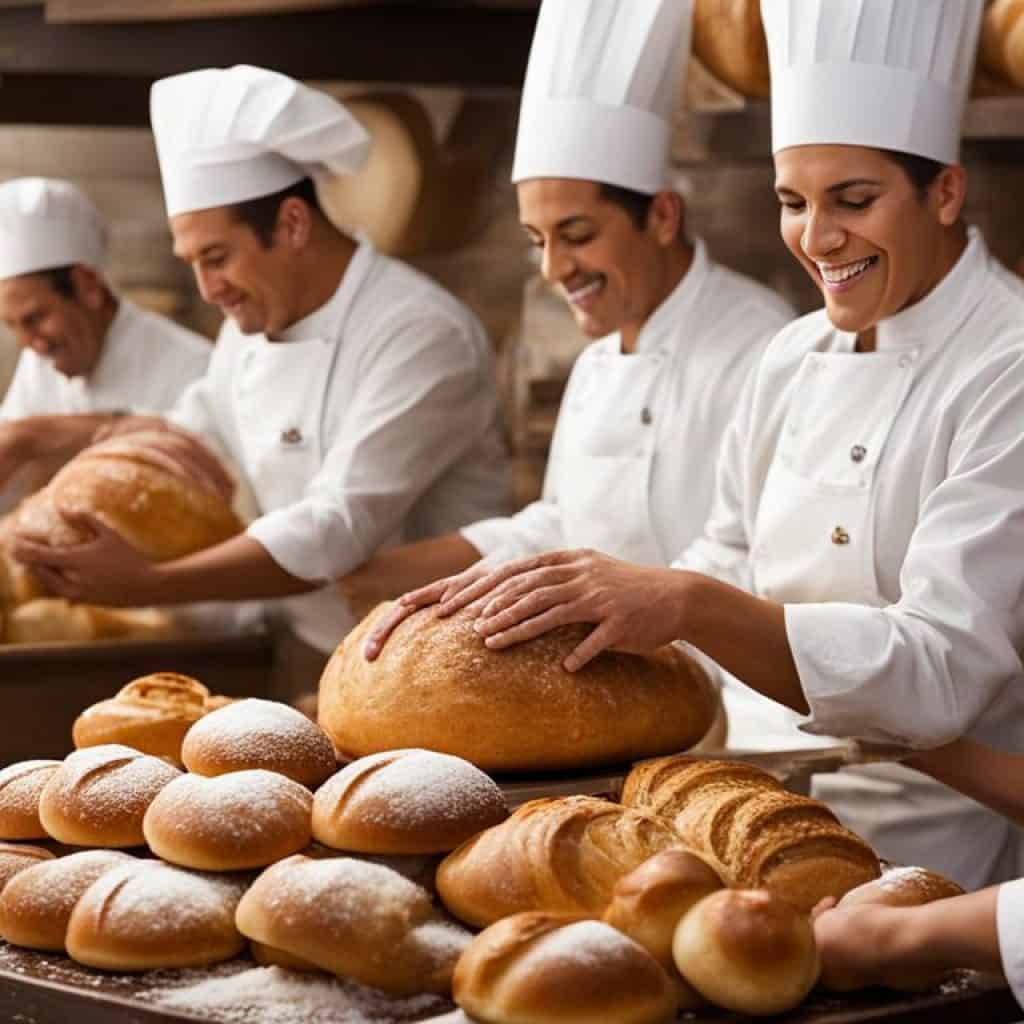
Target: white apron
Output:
{"points": [[814, 542], [608, 438]]}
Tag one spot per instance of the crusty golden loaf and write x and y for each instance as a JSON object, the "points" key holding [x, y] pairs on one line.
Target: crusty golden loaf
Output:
{"points": [[729, 40], [904, 887], [1002, 40], [563, 855], [436, 686]]}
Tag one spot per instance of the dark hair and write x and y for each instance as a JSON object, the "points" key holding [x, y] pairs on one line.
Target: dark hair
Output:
{"points": [[261, 214], [921, 170], [59, 279], [636, 204]]}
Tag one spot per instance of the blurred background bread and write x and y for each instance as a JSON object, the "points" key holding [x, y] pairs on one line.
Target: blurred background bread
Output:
{"points": [[729, 40], [1002, 40]]}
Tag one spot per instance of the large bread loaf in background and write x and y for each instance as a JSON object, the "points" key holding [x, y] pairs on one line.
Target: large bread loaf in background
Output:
{"points": [[729, 40], [435, 685]]}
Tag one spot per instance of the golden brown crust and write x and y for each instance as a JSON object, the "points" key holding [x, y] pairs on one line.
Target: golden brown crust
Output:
{"points": [[138, 490], [151, 714], [16, 857], [230, 822], [406, 801], [1002, 40], [436, 686], [21, 785], [904, 887], [355, 919], [99, 796], [559, 855], [747, 951], [536, 968], [49, 620], [729, 40]]}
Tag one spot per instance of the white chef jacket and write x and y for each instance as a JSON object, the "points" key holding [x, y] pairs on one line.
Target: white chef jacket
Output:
{"points": [[373, 420], [899, 571], [1010, 926], [146, 363], [702, 341]]}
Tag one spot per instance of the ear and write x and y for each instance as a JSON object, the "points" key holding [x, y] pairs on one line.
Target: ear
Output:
{"points": [[89, 286], [947, 194], [294, 223], [666, 217]]}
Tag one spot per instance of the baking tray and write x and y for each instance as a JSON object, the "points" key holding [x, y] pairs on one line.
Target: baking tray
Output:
{"points": [[43, 687]]}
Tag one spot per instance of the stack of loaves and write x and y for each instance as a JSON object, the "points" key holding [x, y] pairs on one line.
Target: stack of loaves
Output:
{"points": [[149, 488]]}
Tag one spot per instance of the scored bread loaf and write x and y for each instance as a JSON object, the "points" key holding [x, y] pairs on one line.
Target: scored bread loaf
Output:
{"points": [[136, 486], [436, 686], [150, 714], [21, 785], [554, 854], [406, 801], [1002, 40], [546, 968], [729, 40], [16, 857], [752, 831]]}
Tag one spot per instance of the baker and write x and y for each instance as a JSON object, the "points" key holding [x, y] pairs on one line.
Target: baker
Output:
{"points": [[88, 354], [355, 395], [857, 565], [631, 468]]}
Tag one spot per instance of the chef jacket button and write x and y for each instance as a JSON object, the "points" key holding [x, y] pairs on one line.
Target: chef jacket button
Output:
{"points": [[291, 436], [857, 452], [646, 418], [840, 536]]}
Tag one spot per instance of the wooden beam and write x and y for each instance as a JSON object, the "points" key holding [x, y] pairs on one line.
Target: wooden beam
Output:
{"points": [[50, 99]]}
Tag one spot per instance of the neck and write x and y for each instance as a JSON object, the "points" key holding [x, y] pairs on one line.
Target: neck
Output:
{"points": [[323, 267], [671, 271]]}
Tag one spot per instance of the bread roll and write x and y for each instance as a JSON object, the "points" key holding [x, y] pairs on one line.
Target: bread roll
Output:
{"points": [[355, 919], [904, 887], [729, 40], [648, 903], [49, 620], [16, 857], [136, 486], [536, 968], [36, 904], [1002, 40], [229, 823], [747, 951], [146, 915], [406, 801], [20, 787], [268, 956], [560, 855], [436, 686], [99, 795], [257, 733], [754, 833], [150, 714]]}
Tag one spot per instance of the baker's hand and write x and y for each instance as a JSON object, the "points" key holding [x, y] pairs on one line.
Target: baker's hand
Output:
{"points": [[121, 425], [444, 592], [868, 944], [104, 570], [632, 608]]}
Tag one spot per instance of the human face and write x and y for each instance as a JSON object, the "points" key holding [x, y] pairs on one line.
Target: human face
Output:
{"points": [[56, 328], [856, 223], [234, 271], [606, 269]]}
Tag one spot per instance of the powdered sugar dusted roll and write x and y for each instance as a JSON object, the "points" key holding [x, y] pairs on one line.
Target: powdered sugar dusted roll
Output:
{"points": [[21, 785], [15, 857]]}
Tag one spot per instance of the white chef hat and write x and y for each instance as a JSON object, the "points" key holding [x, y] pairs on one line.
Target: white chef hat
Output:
{"points": [[601, 87], [224, 136], [47, 223], [889, 74]]}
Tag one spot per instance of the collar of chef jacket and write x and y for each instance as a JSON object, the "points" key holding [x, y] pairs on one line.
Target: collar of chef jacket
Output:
{"points": [[119, 359]]}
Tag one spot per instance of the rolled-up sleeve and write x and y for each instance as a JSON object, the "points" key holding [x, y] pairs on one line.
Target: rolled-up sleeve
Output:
{"points": [[422, 401], [922, 671], [1010, 927]]}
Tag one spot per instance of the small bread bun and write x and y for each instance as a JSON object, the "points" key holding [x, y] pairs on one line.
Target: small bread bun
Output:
{"points": [[229, 823], [648, 903], [545, 968], [99, 796], [406, 801], [15, 858], [36, 903], [748, 951], [146, 915], [49, 620], [257, 733], [268, 956], [20, 787], [355, 919], [904, 887], [150, 714]]}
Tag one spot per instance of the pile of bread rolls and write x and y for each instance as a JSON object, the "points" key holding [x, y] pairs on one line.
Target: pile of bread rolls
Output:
{"points": [[145, 486]]}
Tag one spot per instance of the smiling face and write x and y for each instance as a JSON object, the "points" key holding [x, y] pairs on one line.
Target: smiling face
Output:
{"points": [[612, 273], [872, 242]]}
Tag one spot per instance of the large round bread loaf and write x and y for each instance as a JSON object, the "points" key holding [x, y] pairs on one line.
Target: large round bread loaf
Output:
{"points": [[138, 486], [435, 685]]}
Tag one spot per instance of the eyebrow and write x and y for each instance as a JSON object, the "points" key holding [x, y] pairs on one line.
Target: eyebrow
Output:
{"points": [[568, 222], [839, 186], [205, 251]]}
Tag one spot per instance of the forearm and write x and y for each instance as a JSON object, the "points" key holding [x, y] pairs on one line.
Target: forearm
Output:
{"points": [[744, 634], [952, 933], [60, 434]]}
